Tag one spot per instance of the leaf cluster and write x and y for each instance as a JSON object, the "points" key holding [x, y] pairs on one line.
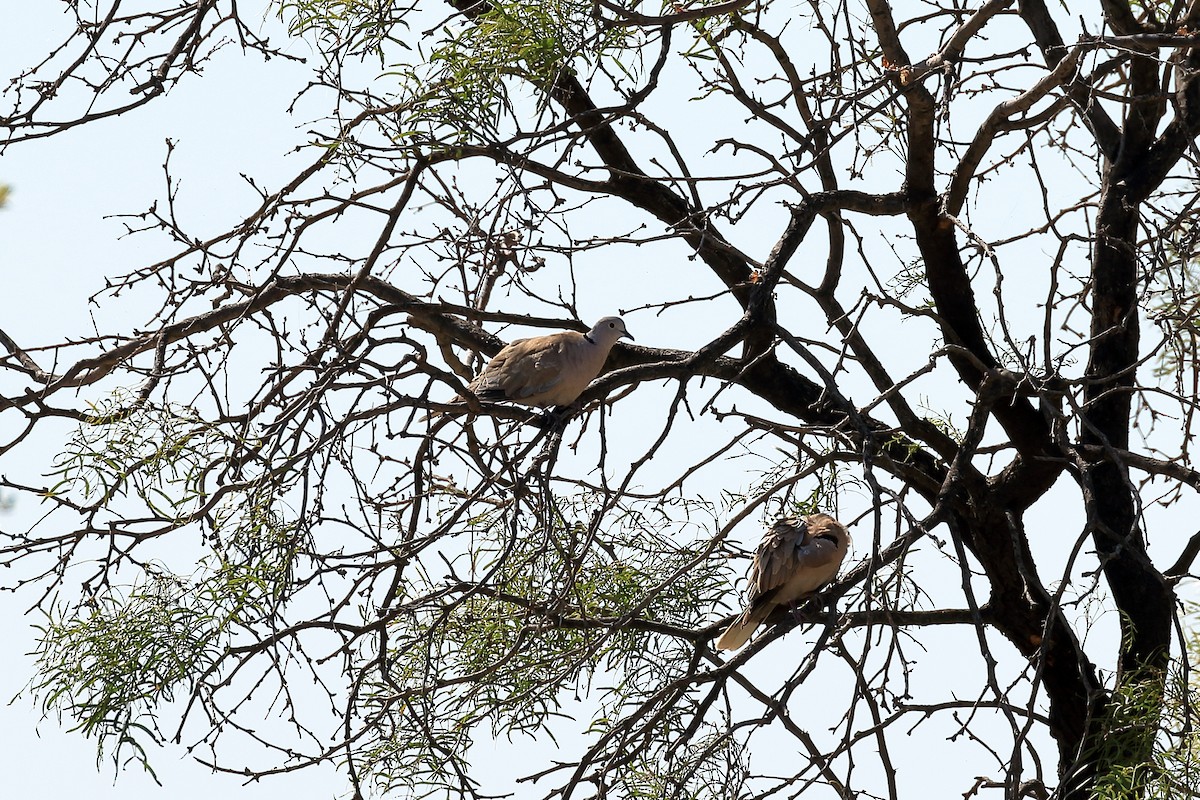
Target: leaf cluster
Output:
{"points": [[542, 617]]}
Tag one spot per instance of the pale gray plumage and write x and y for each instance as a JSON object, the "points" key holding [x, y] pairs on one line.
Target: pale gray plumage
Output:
{"points": [[797, 556], [550, 370]]}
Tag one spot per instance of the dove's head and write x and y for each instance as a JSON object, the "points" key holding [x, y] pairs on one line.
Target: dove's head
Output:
{"points": [[608, 330], [823, 526]]}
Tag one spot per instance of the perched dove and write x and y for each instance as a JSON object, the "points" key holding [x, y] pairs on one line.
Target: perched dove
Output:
{"points": [[549, 370], [798, 556]]}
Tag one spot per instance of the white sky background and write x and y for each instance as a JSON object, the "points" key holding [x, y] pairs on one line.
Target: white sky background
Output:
{"points": [[55, 248]]}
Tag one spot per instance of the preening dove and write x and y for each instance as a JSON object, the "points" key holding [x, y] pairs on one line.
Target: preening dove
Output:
{"points": [[798, 556], [550, 370]]}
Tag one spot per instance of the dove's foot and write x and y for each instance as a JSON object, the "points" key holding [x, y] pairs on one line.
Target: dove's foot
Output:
{"points": [[556, 418]]}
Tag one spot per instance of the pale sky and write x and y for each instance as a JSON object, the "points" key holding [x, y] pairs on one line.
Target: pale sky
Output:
{"points": [[55, 247]]}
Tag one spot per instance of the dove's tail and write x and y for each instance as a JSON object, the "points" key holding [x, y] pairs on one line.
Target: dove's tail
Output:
{"points": [[738, 633]]}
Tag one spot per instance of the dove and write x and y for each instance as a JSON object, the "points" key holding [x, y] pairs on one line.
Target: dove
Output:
{"points": [[550, 370], [797, 556]]}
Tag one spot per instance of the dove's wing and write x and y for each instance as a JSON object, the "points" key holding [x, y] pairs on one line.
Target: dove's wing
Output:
{"points": [[551, 370], [797, 557]]}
